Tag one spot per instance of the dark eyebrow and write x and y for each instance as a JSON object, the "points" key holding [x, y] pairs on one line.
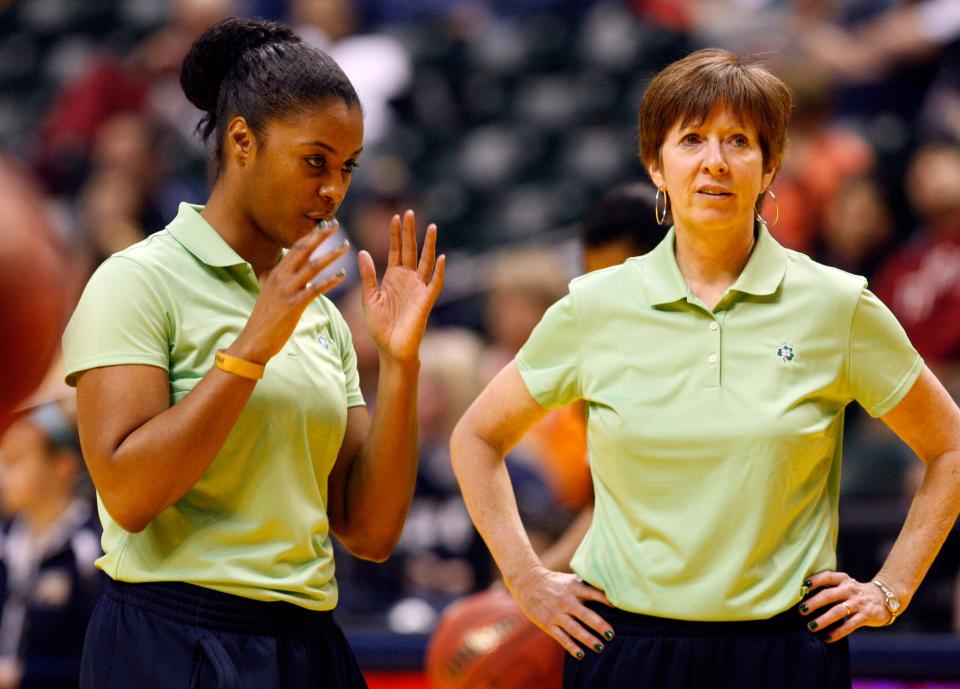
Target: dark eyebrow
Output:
{"points": [[330, 148]]}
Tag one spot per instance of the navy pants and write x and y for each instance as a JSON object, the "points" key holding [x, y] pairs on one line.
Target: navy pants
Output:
{"points": [[178, 636], [657, 653]]}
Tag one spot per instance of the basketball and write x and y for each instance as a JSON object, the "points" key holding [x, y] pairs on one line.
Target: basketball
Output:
{"points": [[32, 293], [486, 642]]}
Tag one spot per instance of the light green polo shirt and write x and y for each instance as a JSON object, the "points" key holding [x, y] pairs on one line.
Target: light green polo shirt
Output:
{"points": [[715, 436], [255, 524]]}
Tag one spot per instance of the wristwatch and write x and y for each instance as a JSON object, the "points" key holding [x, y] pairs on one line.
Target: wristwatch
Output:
{"points": [[890, 600]]}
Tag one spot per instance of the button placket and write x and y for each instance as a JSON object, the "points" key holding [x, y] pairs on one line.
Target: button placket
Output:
{"points": [[713, 357]]}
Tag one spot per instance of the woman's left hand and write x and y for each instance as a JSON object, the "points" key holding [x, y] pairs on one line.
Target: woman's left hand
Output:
{"points": [[397, 309], [842, 598]]}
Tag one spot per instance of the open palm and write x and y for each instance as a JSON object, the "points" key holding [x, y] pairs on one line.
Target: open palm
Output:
{"points": [[397, 309]]}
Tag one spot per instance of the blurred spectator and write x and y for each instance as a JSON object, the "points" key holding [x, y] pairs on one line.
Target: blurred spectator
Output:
{"points": [[378, 65], [47, 579], [857, 227], [443, 556], [894, 66], [522, 284], [822, 157], [905, 33], [144, 81], [921, 282], [621, 224], [380, 11], [440, 556], [117, 204]]}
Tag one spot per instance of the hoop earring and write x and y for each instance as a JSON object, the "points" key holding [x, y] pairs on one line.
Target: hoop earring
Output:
{"points": [[776, 205], [661, 219]]}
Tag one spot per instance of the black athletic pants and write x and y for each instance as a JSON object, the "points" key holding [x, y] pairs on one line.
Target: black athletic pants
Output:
{"points": [[178, 636], [657, 653]]}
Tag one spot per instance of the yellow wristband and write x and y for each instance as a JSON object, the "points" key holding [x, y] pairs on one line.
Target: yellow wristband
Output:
{"points": [[237, 366]]}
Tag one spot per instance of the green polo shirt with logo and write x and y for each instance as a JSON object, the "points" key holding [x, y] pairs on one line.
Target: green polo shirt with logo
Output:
{"points": [[255, 524], [715, 436]]}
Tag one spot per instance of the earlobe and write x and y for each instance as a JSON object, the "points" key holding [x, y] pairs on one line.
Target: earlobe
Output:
{"points": [[768, 178], [653, 169], [241, 142]]}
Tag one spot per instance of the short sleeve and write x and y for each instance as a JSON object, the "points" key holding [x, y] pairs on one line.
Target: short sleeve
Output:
{"points": [[883, 365], [120, 319], [549, 362], [348, 358]]}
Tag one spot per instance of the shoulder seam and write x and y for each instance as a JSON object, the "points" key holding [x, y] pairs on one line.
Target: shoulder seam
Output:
{"points": [[159, 289], [853, 317]]}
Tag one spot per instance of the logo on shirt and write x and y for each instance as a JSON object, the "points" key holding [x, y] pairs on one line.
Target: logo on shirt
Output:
{"points": [[785, 353], [324, 342]]}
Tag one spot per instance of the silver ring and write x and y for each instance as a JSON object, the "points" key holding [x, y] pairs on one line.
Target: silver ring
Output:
{"points": [[308, 286]]}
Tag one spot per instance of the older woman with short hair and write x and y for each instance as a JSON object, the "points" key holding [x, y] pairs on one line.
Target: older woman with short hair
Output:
{"points": [[715, 371]]}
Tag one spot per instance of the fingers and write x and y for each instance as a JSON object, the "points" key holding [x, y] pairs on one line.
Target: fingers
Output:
{"points": [[832, 588], [312, 289], [436, 283], [583, 639], [564, 639], [587, 592], [302, 249], [408, 241], [393, 257], [564, 616], [428, 256], [841, 606], [313, 266], [368, 274], [827, 578], [597, 624]]}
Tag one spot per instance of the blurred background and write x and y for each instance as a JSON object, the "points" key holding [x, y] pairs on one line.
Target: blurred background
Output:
{"points": [[505, 122]]}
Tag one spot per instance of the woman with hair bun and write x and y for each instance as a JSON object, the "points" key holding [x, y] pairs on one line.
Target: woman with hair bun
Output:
{"points": [[219, 405]]}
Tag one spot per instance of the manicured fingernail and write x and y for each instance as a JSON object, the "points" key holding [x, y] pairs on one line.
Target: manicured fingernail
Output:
{"points": [[608, 634], [598, 648], [826, 637], [804, 607], [341, 273], [579, 655], [812, 626], [344, 244], [808, 583]]}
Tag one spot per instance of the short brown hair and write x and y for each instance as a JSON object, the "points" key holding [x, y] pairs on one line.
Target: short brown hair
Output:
{"points": [[688, 89]]}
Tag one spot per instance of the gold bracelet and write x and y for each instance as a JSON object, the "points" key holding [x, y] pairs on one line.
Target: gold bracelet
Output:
{"points": [[237, 366]]}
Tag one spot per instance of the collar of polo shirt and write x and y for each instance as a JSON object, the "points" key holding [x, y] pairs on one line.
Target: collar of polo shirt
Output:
{"points": [[199, 238], [664, 283]]}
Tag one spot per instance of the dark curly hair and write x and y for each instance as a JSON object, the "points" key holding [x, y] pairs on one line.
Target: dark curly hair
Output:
{"points": [[257, 69]]}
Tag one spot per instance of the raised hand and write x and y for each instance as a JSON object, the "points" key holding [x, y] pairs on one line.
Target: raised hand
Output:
{"points": [[397, 308], [284, 294]]}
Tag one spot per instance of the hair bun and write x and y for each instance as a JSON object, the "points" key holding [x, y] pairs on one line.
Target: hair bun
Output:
{"points": [[220, 48]]}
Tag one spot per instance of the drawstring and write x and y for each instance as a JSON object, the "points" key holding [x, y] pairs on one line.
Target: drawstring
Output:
{"points": [[227, 677]]}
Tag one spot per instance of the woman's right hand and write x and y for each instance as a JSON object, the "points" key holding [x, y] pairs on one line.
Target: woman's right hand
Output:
{"points": [[284, 294], [554, 601]]}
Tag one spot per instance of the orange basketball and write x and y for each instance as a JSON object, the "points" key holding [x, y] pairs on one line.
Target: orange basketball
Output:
{"points": [[32, 292], [486, 642]]}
